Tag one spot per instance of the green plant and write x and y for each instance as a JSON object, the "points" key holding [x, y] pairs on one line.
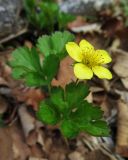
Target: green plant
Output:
{"points": [[65, 107], [46, 15], [124, 6]]}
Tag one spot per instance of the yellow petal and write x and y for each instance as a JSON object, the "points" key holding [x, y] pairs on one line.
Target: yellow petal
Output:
{"points": [[86, 46], [103, 57], [74, 51], [81, 71], [102, 72]]}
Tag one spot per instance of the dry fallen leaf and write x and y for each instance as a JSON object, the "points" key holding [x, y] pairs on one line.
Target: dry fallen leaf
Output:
{"points": [[122, 130], [125, 82], [79, 21], [6, 152], [27, 120], [75, 156], [65, 74], [30, 96], [121, 66], [35, 158], [88, 28], [112, 26], [20, 149], [99, 155]]}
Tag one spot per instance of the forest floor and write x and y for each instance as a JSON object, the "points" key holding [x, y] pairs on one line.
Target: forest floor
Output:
{"points": [[23, 137]]}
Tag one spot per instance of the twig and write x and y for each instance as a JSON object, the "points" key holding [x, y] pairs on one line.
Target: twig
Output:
{"points": [[13, 35]]}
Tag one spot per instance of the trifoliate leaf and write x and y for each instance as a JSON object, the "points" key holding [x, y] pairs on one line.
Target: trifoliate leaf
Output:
{"points": [[25, 58], [75, 93], [26, 65], [54, 44], [47, 113], [57, 98], [50, 67], [69, 129], [83, 118], [89, 118]]}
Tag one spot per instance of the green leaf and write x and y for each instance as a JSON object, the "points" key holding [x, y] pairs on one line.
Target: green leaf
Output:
{"points": [[85, 117], [34, 79], [41, 16], [75, 93], [26, 65], [30, 7], [29, 4], [18, 73], [45, 45], [55, 44], [64, 19], [89, 118], [26, 59], [50, 67], [96, 128], [69, 129], [59, 40], [57, 98], [87, 112], [50, 14], [47, 113]]}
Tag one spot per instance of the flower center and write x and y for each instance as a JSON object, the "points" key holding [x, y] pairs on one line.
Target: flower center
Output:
{"points": [[92, 59]]}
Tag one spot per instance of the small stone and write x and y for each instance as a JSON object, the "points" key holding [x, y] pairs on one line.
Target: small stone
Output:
{"points": [[10, 20], [84, 7]]}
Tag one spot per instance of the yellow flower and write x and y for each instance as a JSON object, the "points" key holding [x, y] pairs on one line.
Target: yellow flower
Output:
{"points": [[88, 60]]}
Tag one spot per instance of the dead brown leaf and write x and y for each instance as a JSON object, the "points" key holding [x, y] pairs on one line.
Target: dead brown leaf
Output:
{"points": [[6, 152], [120, 66], [35, 158], [27, 120], [80, 21], [122, 132], [112, 26], [20, 149], [30, 96], [88, 28], [65, 74], [75, 156]]}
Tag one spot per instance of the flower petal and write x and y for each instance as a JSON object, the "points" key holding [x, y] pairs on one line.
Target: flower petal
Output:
{"points": [[86, 46], [74, 51], [102, 72], [103, 57], [81, 71]]}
